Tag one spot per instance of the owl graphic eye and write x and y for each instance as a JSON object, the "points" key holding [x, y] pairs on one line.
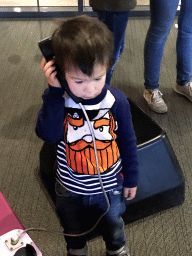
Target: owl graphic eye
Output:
{"points": [[101, 128], [75, 128]]}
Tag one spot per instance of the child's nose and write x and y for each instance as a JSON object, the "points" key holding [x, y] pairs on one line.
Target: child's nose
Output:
{"points": [[89, 88]]}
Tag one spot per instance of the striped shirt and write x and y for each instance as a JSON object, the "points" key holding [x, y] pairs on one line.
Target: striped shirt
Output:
{"points": [[82, 183]]}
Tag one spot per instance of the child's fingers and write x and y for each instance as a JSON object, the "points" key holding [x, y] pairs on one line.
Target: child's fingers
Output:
{"points": [[54, 81], [126, 192], [130, 193], [48, 65], [43, 61], [130, 196], [44, 66], [48, 68], [51, 77], [49, 71]]}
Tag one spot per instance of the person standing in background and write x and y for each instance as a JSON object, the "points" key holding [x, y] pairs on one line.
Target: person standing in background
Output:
{"points": [[162, 17], [115, 15]]}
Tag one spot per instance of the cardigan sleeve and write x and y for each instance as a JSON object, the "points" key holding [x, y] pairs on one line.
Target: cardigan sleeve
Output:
{"points": [[49, 125], [126, 140]]}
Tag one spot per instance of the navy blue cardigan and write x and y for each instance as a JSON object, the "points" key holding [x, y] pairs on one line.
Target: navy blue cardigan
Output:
{"points": [[61, 121]]}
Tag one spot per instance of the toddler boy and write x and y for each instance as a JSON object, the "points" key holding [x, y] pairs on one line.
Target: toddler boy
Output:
{"points": [[83, 48]]}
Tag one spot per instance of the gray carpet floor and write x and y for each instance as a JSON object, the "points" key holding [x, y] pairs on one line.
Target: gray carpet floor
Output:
{"points": [[167, 233]]}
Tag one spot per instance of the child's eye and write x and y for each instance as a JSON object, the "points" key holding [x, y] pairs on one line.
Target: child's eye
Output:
{"points": [[97, 79], [79, 82]]}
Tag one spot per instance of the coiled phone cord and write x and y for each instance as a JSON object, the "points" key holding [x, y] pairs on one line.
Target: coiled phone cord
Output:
{"points": [[14, 242], [99, 176]]}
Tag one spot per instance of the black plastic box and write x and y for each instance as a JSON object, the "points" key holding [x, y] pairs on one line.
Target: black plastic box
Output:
{"points": [[161, 181]]}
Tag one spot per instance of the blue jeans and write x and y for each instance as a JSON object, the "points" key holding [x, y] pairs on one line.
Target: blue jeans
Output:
{"points": [[117, 23], [162, 17], [79, 213]]}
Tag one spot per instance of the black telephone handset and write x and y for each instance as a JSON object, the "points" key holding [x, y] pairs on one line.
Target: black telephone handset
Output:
{"points": [[47, 51]]}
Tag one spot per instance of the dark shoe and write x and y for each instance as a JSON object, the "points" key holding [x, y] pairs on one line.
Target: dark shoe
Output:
{"points": [[78, 252]]}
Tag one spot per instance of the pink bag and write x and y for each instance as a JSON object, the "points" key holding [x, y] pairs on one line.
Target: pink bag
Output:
{"points": [[11, 227]]}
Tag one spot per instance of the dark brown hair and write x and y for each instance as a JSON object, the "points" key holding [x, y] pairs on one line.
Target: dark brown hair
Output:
{"points": [[83, 41]]}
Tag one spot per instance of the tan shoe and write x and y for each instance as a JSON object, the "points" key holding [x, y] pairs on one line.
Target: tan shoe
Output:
{"points": [[155, 100], [185, 90]]}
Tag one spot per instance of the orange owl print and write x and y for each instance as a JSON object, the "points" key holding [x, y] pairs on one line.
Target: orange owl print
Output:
{"points": [[79, 143]]}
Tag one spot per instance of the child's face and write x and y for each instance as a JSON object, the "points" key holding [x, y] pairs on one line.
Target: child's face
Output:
{"points": [[83, 86]]}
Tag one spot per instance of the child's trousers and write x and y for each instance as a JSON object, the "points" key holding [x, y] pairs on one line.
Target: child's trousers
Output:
{"points": [[79, 213]]}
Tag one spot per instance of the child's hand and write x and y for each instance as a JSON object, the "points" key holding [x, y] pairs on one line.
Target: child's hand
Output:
{"points": [[49, 72], [130, 193]]}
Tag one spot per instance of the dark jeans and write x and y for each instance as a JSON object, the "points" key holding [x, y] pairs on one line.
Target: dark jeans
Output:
{"points": [[117, 23], [162, 18], [79, 213]]}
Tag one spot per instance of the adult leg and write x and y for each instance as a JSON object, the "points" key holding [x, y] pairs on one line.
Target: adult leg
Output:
{"points": [[184, 50], [117, 23], [184, 43], [162, 18]]}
